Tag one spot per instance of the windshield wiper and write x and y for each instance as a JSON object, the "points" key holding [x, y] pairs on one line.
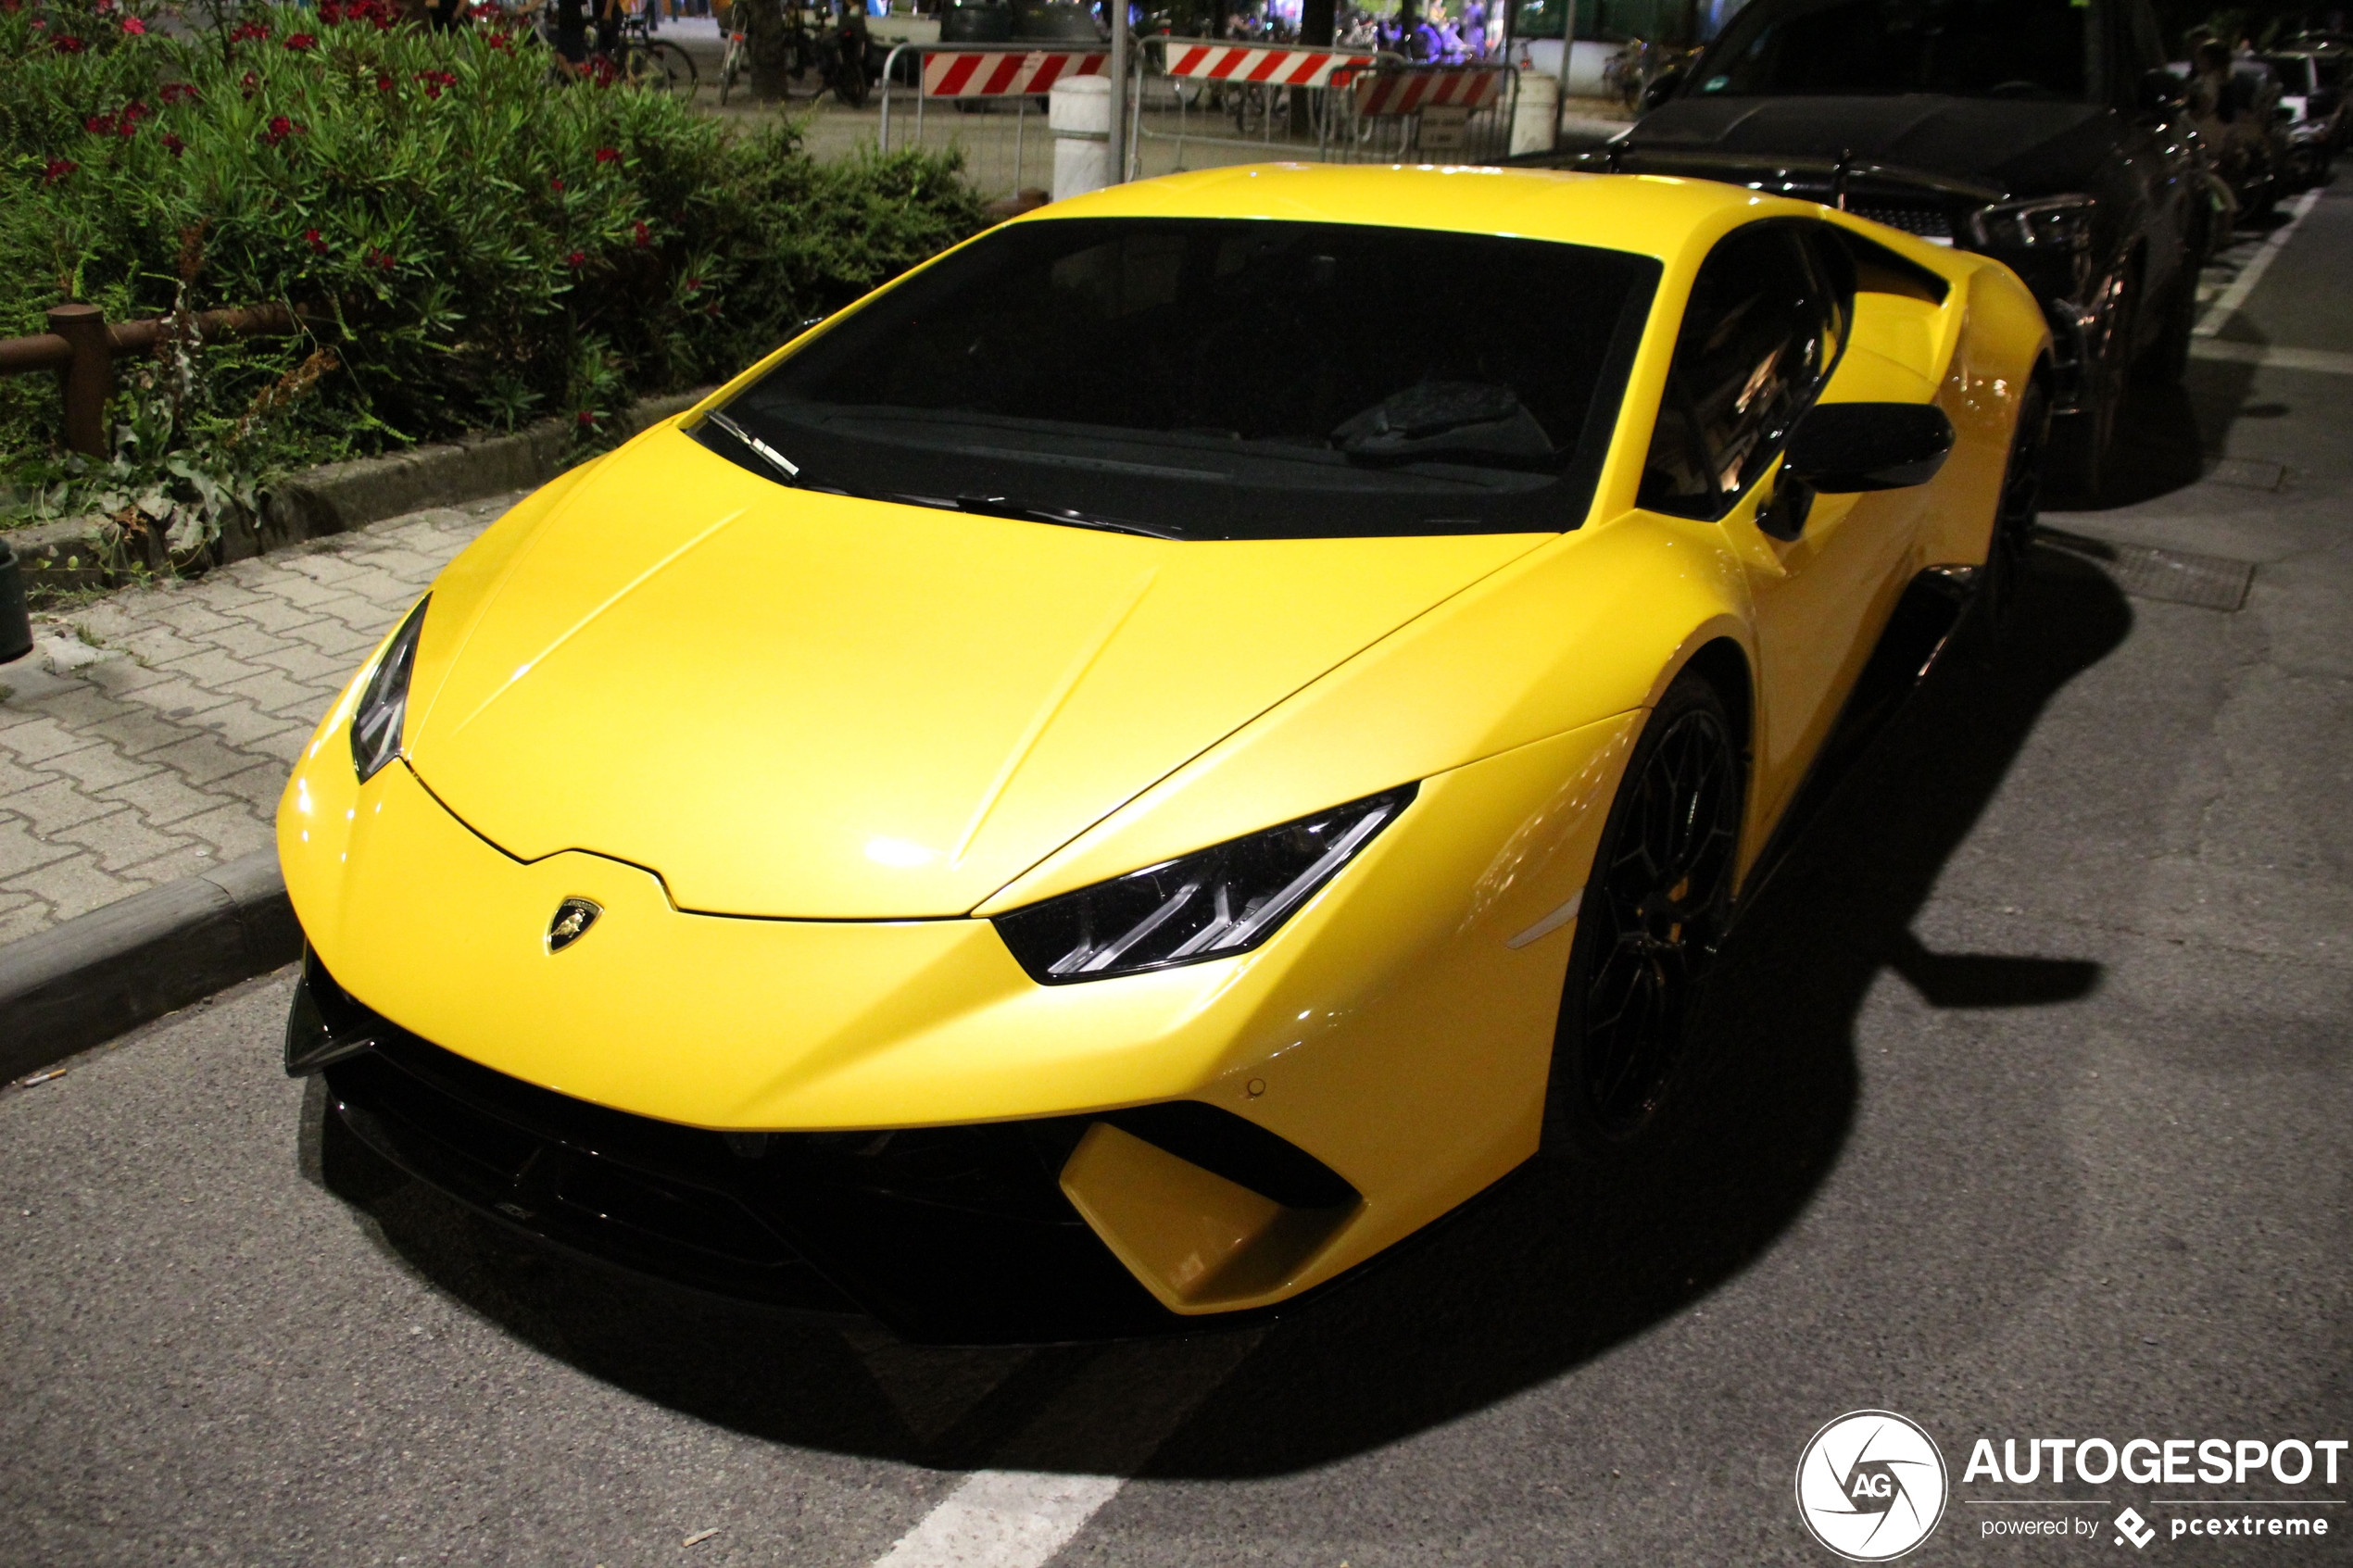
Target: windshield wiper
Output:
{"points": [[759, 449], [1027, 511]]}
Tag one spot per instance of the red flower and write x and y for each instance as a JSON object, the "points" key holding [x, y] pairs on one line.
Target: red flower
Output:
{"points": [[134, 27], [436, 81], [298, 42], [694, 286], [173, 145], [99, 124], [248, 30], [252, 84], [384, 84], [59, 169], [317, 242], [280, 129], [380, 261], [556, 184], [126, 127], [66, 45], [500, 41], [135, 109], [645, 236], [178, 91], [585, 418], [576, 260], [608, 154]]}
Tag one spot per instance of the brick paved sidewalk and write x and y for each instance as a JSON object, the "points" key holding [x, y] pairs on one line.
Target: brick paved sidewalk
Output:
{"points": [[148, 735]]}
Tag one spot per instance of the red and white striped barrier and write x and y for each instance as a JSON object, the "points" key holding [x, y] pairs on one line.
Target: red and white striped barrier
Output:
{"points": [[1011, 75], [1442, 87], [1278, 68]]}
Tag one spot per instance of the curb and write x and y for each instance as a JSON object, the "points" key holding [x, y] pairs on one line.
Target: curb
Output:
{"points": [[337, 497], [82, 983]]}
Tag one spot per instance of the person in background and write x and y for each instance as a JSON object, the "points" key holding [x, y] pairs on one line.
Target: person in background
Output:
{"points": [[571, 30]]}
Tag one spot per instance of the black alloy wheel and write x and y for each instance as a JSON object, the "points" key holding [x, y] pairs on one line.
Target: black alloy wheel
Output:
{"points": [[2087, 438], [1653, 910], [2016, 517]]}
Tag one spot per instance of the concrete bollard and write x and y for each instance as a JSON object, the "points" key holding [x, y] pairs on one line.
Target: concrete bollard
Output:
{"points": [[1078, 112], [1536, 114]]}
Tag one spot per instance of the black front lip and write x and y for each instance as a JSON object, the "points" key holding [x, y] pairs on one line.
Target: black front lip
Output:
{"points": [[949, 1236]]}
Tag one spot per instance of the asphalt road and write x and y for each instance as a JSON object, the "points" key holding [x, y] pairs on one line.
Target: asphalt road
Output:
{"points": [[2028, 1119]]}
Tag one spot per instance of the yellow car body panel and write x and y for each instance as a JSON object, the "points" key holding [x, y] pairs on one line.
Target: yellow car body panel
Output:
{"points": [[643, 688]]}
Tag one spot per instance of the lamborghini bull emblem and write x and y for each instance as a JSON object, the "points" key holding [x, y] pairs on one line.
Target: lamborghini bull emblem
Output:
{"points": [[573, 917]]}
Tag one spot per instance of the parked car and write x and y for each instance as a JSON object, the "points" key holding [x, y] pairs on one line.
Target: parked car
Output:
{"points": [[1177, 792], [2045, 132], [2313, 82], [2236, 106]]}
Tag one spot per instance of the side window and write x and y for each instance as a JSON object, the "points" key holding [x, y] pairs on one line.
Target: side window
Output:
{"points": [[1767, 319]]}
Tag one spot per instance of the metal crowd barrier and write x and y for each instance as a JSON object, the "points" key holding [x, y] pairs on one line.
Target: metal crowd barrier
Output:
{"points": [[977, 79], [1311, 105]]}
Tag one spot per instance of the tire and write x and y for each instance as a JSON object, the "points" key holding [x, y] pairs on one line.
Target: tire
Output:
{"points": [[1653, 910], [2166, 358], [2016, 513], [671, 69], [2083, 445]]}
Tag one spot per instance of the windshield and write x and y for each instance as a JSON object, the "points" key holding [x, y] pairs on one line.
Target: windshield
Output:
{"points": [[1968, 48], [1235, 379]]}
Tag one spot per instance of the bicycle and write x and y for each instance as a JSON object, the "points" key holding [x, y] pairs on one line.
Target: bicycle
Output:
{"points": [[637, 59], [736, 62]]}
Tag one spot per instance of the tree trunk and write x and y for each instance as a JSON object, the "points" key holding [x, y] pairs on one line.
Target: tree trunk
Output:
{"points": [[764, 36]]}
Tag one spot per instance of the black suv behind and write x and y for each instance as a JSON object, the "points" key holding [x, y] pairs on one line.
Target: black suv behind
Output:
{"points": [[2045, 132]]}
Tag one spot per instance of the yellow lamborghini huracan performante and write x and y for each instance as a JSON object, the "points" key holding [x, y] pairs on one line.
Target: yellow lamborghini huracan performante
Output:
{"points": [[1159, 753]]}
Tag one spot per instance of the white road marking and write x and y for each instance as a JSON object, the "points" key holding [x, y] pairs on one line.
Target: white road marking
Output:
{"points": [[1082, 1448], [2223, 309], [1550, 923], [1003, 1519], [2328, 361]]}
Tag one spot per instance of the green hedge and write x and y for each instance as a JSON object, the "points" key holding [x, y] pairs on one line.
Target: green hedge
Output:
{"points": [[476, 240]]}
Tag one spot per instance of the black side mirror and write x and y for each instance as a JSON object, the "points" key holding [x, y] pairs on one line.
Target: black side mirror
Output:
{"points": [[2162, 91], [1661, 88], [1839, 448]]}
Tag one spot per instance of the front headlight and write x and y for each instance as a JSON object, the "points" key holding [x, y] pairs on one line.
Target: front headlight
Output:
{"points": [[376, 722], [1207, 905], [2049, 223]]}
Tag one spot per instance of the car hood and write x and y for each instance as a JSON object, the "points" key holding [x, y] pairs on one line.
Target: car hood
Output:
{"points": [[792, 704], [2008, 146]]}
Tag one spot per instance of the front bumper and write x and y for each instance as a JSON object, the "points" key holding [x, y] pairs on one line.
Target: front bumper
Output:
{"points": [[1391, 1040], [948, 1234]]}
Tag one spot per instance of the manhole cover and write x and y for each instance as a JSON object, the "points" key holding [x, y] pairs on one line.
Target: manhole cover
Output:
{"points": [[2176, 576]]}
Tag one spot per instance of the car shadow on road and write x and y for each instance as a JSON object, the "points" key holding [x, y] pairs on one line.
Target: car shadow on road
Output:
{"points": [[1546, 1272]]}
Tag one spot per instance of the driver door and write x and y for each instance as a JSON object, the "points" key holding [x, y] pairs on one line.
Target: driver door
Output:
{"points": [[1762, 339]]}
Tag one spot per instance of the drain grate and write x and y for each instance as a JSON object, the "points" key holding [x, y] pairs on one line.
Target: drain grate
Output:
{"points": [[2175, 576]]}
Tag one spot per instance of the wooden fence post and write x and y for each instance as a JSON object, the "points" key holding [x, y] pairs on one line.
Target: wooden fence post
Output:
{"points": [[87, 380]]}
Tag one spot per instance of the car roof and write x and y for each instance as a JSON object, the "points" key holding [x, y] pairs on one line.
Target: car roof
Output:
{"points": [[1648, 214]]}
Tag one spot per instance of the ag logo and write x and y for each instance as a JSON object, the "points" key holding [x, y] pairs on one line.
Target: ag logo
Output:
{"points": [[1870, 1486]]}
